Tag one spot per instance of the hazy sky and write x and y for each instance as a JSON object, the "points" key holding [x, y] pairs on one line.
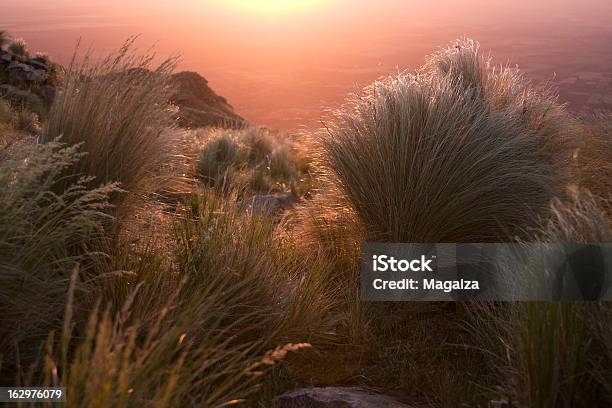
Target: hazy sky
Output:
{"points": [[281, 62]]}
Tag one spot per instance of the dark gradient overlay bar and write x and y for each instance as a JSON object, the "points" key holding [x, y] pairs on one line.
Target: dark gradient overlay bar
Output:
{"points": [[502, 272]]}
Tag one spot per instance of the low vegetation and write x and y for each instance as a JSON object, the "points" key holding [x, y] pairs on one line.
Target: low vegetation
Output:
{"points": [[257, 159], [213, 304]]}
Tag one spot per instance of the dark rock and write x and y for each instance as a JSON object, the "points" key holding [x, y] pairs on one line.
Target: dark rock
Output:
{"points": [[47, 93], [199, 106], [5, 57], [25, 72], [336, 397], [39, 63], [499, 404], [273, 204]]}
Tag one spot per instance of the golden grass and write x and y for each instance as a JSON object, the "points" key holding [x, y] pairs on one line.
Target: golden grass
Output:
{"points": [[448, 155], [199, 305], [116, 109]]}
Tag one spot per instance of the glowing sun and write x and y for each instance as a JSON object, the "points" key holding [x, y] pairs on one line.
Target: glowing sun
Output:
{"points": [[274, 6]]}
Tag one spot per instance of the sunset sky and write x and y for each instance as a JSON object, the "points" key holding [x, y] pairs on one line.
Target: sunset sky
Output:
{"points": [[282, 62]]}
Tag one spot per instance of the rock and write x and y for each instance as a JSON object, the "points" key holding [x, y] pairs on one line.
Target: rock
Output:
{"points": [[273, 204], [25, 72], [499, 404], [5, 57], [47, 93], [336, 397], [39, 63]]}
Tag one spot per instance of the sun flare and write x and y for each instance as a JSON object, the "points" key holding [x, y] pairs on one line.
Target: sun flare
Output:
{"points": [[274, 6]]}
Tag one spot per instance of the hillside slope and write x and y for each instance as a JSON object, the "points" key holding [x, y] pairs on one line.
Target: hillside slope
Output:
{"points": [[199, 105]]}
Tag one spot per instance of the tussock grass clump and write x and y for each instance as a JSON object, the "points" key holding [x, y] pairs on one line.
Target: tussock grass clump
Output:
{"points": [[216, 158], [422, 160], [196, 332], [259, 143], [443, 158], [217, 238], [44, 235], [328, 227], [580, 220], [506, 90], [282, 294], [117, 110], [254, 159]]}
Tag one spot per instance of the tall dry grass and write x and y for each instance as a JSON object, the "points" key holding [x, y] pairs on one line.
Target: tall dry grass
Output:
{"points": [[452, 154], [116, 108], [595, 157], [552, 353], [218, 238], [460, 151], [293, 295], [44, 235], [188, 355]]}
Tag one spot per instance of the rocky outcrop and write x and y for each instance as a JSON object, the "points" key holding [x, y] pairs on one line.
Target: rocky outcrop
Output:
{"points": [[336, 397], [26, 72], [199, 106], [26, 81], [35, 70]]}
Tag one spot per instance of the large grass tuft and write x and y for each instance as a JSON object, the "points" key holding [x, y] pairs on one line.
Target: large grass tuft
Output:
{"points": [[117, 110], [447, 155]]}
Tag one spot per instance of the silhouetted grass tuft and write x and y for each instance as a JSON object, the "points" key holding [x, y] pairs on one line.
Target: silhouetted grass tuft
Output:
{"points": [[116, 109], [447, 155]]}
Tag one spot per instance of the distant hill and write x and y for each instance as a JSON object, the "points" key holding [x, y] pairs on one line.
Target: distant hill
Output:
{"points": [[199, 105]]}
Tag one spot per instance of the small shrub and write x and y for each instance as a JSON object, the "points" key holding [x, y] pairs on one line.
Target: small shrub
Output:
{"points": [[19, 48], [216, 158], [254, 159], [259, 144]]}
